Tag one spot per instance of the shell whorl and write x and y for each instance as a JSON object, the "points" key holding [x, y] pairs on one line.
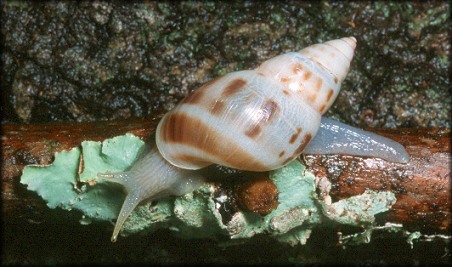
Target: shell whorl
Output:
{"points": [[258, 119], [315, 72]]}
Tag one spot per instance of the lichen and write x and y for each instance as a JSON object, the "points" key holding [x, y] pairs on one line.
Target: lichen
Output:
{"points": [[359, 210], [410, 237], [55, 183], [61, 184], [196, 214]]}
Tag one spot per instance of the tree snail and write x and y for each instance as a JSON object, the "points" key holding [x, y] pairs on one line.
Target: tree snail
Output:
{"points": [[254, 120]]}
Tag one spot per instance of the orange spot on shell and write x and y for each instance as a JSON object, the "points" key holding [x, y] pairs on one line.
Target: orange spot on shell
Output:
{"points": [[307, 75], [297, 68], [284, 79], [312, 97], [318, 84]]}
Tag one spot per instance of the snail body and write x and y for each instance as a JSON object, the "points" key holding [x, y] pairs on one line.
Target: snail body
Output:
{"points": [[254, 120]]}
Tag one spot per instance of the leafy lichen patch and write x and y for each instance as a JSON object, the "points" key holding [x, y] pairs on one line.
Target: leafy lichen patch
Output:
{"points": [[359, 210], [56, 183], [196, 214]]}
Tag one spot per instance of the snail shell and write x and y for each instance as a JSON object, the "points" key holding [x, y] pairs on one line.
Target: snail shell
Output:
{"points": [[253, 120], [259, 119]]}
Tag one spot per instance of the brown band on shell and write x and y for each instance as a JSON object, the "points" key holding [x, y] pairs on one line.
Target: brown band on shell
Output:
{"points": [[269, 109], [295, 136], [195, 96], [267, 112], [330, 94], [281, 154], [233, 87], [192, 159], [253, 131], [171, 128], [182, 129], [217, 107], [289, 159], [303, 144]]}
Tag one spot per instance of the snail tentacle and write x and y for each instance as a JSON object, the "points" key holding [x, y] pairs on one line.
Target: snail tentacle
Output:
{"points": [[133, 198]]}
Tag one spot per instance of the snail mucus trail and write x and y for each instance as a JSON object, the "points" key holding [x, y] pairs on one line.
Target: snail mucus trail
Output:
{"points": [[252, 120]]}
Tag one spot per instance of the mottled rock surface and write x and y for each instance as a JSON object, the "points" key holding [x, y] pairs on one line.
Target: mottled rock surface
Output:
{"points": [[93, 61]]}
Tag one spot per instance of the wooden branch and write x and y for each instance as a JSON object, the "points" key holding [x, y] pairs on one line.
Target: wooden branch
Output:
{"points": [[422, 186]]}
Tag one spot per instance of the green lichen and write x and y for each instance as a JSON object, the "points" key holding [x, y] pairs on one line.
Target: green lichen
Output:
{"points": [[55, 183], [196, 214], [393, 229], [113, 155], [359, 210]]}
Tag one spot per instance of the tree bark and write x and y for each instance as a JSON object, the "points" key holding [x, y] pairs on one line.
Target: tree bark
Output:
{"points": [[422, 186]]}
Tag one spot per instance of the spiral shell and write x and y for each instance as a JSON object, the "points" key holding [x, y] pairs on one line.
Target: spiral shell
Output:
{"points": [[257, 119]]}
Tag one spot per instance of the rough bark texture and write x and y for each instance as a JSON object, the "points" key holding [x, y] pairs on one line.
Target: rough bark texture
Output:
{"points": [[422, 186]]}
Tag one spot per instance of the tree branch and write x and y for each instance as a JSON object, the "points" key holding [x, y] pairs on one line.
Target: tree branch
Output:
{"points": [[422, 186]]}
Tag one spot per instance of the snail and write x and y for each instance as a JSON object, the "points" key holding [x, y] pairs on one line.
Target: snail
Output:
{"points": [[253, 120]]}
